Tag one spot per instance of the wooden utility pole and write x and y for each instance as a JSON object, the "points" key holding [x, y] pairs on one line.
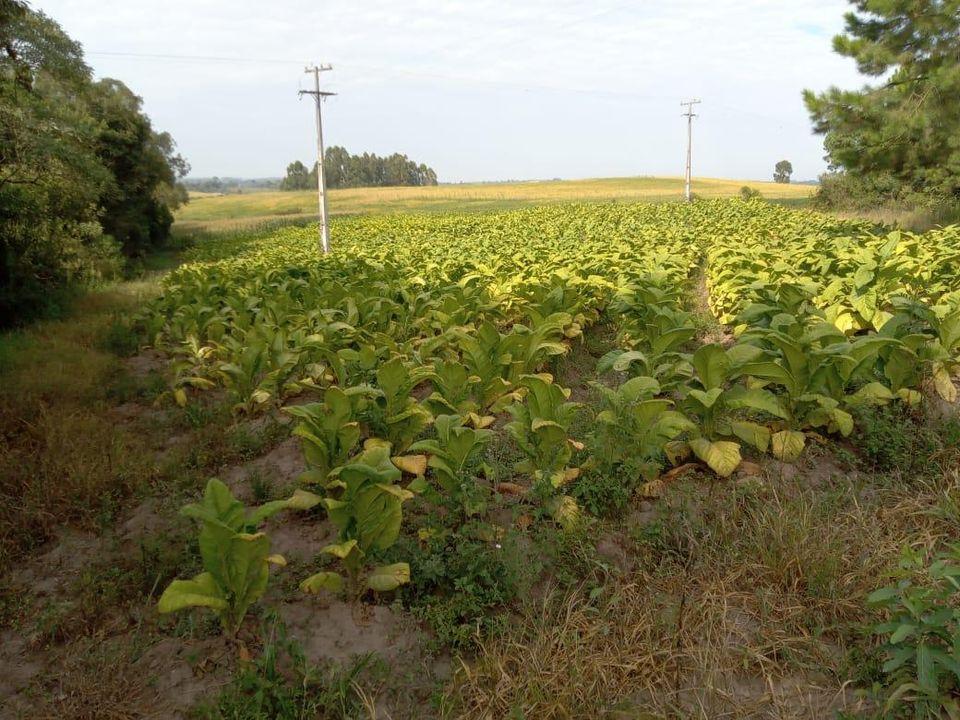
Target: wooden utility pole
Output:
{"points": [[321, 179], [689, 114]]}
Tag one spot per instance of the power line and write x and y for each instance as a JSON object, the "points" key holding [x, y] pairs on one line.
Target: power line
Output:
{"points": [[388, 70], [195, 58], [391, 71]]}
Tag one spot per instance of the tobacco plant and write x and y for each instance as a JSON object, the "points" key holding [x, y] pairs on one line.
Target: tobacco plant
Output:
{"points": [[364, 503], [236, 557], [718, 404], [540, 428], [453, 459], [330, 430], [634, 425], [401, 417]]}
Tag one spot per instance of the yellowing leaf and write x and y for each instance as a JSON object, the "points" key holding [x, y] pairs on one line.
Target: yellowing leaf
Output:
{"points": [[565, 511], [411, 464], [480, 421], [787, 445], [389, 577], [943, 384], [201, 591], [909, 396], [303, 500], [329, 581], [676, 451], [340, 550], [721, 456], [180, 396], [570, 474]]}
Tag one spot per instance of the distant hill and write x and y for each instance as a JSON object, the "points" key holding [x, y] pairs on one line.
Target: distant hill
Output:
{"points": [[227, 185]]}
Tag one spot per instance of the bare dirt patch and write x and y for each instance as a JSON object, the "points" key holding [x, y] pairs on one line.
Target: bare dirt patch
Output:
{"points": [[280, 467], [335, 631]]}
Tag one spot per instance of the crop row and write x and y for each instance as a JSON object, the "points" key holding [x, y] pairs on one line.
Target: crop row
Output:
{"points": [[420, 331]]}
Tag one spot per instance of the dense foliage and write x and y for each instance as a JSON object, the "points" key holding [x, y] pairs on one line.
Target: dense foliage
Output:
{"points": [[897, 139], [83, 175], [425, 340], [344, 170]]}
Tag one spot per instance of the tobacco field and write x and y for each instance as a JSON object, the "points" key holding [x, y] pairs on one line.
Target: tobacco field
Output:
{"points": [[596, 458]]}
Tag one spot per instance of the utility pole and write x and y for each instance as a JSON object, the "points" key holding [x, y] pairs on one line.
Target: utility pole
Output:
{"points": [[321, 180], [690, 115]]}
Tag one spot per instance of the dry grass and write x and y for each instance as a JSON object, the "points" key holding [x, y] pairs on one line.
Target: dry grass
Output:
{"points": [[100, 681], [475, 196], [913, 219], [63, 459], [746, 605]]}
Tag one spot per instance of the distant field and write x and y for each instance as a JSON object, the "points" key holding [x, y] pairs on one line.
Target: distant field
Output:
{"points": [[213, 210]]}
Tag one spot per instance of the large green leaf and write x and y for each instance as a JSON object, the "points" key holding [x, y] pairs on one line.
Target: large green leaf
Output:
{"points": [[711, 363], [378, 515], [756, 399], [752, 433]]}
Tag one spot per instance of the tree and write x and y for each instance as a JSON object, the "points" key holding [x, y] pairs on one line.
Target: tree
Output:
{"points": [[138, 201], [344, 170], [76, 157], [297, 178], [782, 171], [899, 137]]}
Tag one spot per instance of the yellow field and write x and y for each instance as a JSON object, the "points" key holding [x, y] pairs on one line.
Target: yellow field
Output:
{"points": [[207, 210]]}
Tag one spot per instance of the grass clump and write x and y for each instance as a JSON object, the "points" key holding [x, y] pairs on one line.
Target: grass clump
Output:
{"points": [[282, 684]]}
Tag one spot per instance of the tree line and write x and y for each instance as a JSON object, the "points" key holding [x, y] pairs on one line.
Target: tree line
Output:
{"points": [[228, 185], [85, 179], [343, 170]]}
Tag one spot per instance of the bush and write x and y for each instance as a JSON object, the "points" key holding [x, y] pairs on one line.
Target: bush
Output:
{"points": [[895, 438], [922, 637], [606, 491], [749, 193], [459, 581], [840, 190]]}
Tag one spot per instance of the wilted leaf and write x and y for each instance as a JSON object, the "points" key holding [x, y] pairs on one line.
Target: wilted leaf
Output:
{"points": [[411, 464], [721, 456], [944, 386]]}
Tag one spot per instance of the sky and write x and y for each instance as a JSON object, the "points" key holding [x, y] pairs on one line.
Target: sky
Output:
{"points": [[478, 89]]}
